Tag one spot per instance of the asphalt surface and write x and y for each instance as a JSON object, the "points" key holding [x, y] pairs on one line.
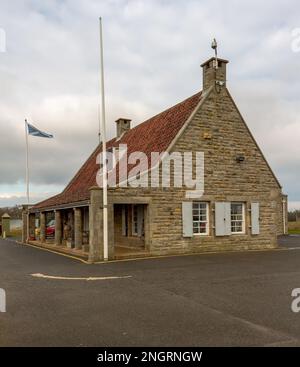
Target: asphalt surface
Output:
{"points": [[229, 299]]}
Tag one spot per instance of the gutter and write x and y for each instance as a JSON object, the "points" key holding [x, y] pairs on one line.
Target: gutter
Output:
{"points": [[62, 206]]}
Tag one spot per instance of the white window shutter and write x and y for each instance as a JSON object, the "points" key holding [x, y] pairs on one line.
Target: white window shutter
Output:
{"points": [[123, 220], [228, 218], [187, 219], [255, 218], [222, 219]]}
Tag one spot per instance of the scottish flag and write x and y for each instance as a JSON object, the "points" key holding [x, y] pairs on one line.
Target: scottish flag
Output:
{"points": [[36, 132]]}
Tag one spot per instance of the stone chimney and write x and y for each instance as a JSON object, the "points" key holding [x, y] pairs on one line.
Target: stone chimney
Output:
{"points": [[213, 75], [123, 125]]}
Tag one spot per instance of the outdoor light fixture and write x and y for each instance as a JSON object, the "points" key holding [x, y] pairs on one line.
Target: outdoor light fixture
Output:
{"points": [[240, 158]]}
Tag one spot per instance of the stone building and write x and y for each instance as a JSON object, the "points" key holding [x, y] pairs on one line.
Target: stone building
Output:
{"points": [[242, 206]]}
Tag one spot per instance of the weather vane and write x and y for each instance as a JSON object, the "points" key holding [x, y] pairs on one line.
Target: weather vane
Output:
{"points": [[214, 46]]}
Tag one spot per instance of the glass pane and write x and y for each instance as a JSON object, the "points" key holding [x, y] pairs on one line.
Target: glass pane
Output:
{"points": [[236, 208]]}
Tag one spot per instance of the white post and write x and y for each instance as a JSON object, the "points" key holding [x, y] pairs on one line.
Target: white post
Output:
{"points": [[27, 177], [99, 127], [103, 133], [27, 162]]}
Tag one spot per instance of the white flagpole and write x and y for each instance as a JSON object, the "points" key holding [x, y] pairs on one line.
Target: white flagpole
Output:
{"points": [[27, 161], [99, 122], [103, 133], [27, 178]]}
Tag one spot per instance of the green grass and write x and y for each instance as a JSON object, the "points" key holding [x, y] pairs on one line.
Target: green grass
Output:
{"points": [[294, 231], [294, 227], [17, 232]]}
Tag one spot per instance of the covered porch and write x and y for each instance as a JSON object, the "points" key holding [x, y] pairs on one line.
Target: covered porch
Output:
{"points": [[78, 230], [64, 230], [131, 232]]}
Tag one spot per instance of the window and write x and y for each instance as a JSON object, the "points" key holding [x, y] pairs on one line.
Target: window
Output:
{"points": [[237, 218], [200, 218], [135, 220]]}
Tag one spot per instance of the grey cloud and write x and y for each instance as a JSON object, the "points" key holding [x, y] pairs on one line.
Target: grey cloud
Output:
{"points": [[153, 49]]}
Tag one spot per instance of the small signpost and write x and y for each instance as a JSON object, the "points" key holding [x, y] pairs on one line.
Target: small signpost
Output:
{"points": [[5, 225]]}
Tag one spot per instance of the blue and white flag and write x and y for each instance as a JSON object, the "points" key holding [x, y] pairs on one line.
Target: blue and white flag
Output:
{"points": [[36, 132]]}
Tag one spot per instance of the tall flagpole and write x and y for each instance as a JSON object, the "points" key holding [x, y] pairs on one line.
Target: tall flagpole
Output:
{"points": [[27, 162], [103, 133], [99, 122], [27, 179]]}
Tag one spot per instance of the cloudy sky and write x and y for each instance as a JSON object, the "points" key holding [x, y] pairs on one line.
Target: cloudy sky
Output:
{"points": [[153, 49]]}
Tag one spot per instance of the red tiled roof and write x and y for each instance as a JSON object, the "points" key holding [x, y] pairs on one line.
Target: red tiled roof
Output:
{"points": [[153, 135]]}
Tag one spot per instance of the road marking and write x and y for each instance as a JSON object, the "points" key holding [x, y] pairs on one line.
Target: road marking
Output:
{"points": [[54, 252], [39, 275]]}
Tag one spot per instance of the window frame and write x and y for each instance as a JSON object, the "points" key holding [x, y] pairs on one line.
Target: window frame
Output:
{"points": [[207, 221], [243, 231]]}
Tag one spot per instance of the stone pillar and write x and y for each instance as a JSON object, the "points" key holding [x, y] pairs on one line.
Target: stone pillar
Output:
{"points": [[58, 228], [78, 228], [31, 225], [24, 223], [96, 225], [147, 226], [111, 229], [43, 227]]}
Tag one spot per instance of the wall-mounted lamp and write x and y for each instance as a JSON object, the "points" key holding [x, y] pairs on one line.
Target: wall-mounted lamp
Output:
{"points": [[240, 158]]}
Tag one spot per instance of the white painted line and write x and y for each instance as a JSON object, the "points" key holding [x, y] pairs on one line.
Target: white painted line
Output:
{"points": [[39, 275]]}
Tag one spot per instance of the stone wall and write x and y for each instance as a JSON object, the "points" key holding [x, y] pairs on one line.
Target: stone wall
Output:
{"points": [[218, 130]]}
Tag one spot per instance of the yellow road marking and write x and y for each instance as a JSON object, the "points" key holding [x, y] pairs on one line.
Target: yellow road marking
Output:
{"points": [[39, 275], [56, 252], [155, 256], [192, 254]]}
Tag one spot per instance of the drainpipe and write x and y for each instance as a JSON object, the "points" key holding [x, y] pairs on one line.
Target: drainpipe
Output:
{"points": [[283, 216]]}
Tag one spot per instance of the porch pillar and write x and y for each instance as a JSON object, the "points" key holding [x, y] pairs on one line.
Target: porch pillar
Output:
{"points": [[96, 225], [111, 229], [31, 225], [58, 228], [43, 227], [78, 228], [24, 221]]}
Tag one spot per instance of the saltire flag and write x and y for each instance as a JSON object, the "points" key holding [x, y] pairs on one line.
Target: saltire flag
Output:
{"points": [[36, 132]]}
